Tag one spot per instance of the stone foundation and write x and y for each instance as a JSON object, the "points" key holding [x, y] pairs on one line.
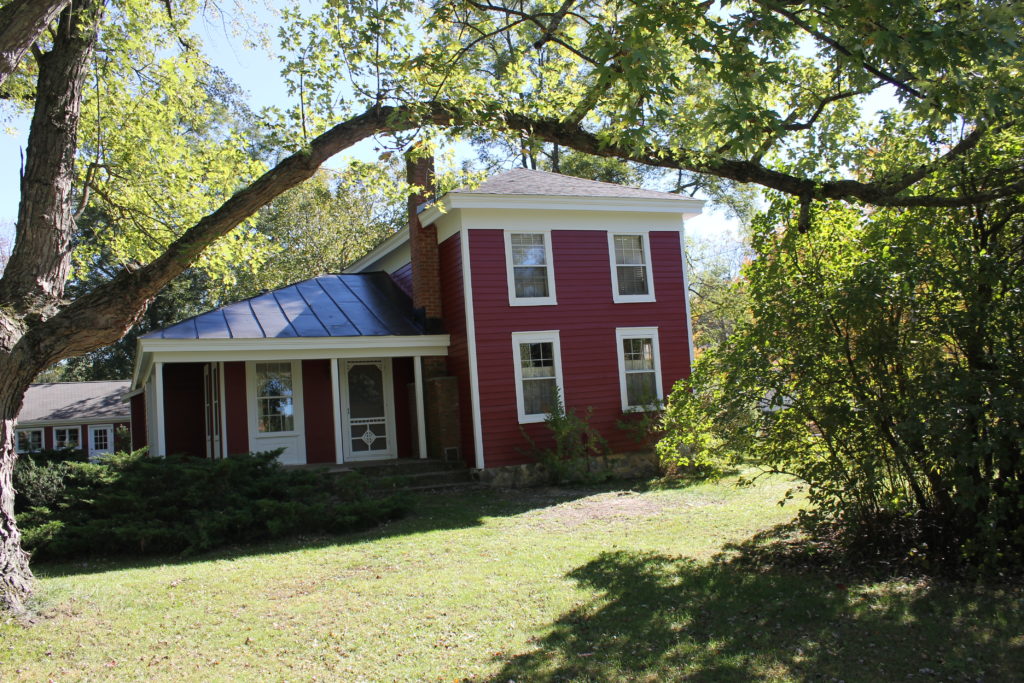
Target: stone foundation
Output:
{"points": [[638, 465]]}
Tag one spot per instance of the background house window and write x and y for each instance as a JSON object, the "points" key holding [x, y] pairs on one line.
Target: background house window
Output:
{"points": [[632, 269], [30, 440], [66, 437], [531, 278], [639, 367], [538, 373], [274, 404]]}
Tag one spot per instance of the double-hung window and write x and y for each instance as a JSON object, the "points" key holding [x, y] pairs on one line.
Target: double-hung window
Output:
{"points": [[30, 440], [531, 276], [639, 367], [66, 437], [631, 267], [538, 370], [275, 407]]}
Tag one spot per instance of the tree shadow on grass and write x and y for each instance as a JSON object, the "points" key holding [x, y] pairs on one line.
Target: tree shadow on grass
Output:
{"points": [[662, 618], [430, 511]]}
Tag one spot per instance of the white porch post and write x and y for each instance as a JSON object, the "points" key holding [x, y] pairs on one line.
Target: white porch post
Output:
{"points": [[158, 389], [421, 427], [339, 450]]}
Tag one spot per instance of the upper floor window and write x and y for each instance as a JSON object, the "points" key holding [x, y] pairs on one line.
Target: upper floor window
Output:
{"points": [[531, 277], [66, 437], [538, 369], [639, 367], [631, 267], [275, 409], [30, 440]]}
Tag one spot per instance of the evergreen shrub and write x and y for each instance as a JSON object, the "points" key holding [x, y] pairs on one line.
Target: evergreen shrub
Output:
{"points": [[130, 503]]}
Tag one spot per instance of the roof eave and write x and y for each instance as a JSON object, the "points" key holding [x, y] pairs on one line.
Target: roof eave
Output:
{"points": [[688, 208]]}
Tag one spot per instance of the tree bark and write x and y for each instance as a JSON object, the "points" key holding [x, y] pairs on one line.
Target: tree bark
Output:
{"points": [[21, 23], [37, 270]]}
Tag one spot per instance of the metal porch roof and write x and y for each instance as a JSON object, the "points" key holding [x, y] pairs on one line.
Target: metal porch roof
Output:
{"points": [[346, 305]]}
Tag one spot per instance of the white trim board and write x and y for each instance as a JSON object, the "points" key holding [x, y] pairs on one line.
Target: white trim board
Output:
{"points": [[457, 200], [474, 372]]}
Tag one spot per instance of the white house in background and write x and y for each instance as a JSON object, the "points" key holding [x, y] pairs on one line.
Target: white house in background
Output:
{"points": [[73, 415]]}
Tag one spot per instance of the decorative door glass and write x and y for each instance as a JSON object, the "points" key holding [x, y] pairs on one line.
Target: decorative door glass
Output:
{"points": [[367, 407]]}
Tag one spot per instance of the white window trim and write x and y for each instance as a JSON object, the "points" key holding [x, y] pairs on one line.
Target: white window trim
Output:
{"points": [[253, 404], [74, 428], [622, 333], [531, 338], [42, 437], [513, 300], [631, 298]]}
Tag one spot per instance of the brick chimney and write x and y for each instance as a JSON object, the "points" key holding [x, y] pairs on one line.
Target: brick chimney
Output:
{"points": [[441, 391], [426, 273]]}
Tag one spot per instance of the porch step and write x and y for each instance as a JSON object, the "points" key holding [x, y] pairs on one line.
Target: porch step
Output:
{"points": [[405, 467], [412, 480]]}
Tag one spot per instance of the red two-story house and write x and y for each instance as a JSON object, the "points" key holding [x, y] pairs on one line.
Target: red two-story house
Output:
{"points": [[450, 339]]}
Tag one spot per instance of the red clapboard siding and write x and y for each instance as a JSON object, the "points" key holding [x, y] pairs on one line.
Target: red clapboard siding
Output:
{"points": [[403, 278], [184, 419], [586, 319], [138, 426], [235, 408], [453, 304], [318, 404]]}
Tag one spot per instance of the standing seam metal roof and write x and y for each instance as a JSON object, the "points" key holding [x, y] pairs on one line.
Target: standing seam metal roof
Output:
{"points": [[346, 305]]}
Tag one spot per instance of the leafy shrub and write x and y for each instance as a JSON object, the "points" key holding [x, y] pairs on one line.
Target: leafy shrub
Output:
{"points": [[574, 442], [136, 504], [644, 426], [882, 368]]}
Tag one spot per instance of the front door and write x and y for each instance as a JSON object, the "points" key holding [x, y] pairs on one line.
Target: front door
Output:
{"points": [[368, 403], [101, 440]]}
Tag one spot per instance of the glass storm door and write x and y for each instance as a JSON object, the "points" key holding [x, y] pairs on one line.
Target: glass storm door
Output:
{"points": [[369, 434]]}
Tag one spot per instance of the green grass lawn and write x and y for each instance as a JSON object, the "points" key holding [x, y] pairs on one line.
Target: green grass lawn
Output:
{"points": [[581, 584]]}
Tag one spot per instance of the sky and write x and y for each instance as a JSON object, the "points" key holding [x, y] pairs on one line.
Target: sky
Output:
{"points": [[257, 72]]}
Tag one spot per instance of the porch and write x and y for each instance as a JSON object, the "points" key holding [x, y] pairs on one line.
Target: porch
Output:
{"points": [[328, 371]]}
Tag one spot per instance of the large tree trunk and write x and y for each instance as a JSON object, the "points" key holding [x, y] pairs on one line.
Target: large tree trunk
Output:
{"points": [[16, 581]]}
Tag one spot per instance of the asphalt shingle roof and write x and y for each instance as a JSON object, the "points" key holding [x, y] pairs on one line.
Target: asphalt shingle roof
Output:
{"points": [[348, 305], [54, 401], [528, 182]]}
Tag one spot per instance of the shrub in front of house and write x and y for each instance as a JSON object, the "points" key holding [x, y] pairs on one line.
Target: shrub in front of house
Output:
{"points": [[130, 503]]}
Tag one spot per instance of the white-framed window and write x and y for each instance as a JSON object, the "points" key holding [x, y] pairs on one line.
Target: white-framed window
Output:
{"points": [[275, 397], [538, 368], [30, 440], [639, 367], [630, 255], [67, 437], [530, 269]]}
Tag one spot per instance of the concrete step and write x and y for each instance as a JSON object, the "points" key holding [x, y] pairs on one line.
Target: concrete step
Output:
{"points": [[402, 468], [407, 481]]}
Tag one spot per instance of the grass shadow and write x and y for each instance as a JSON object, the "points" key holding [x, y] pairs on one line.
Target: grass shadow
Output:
{"points": [[658, 617]]}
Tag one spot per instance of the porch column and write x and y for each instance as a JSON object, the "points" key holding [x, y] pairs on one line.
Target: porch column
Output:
{"points": [[421, 418], [158, 389]]}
